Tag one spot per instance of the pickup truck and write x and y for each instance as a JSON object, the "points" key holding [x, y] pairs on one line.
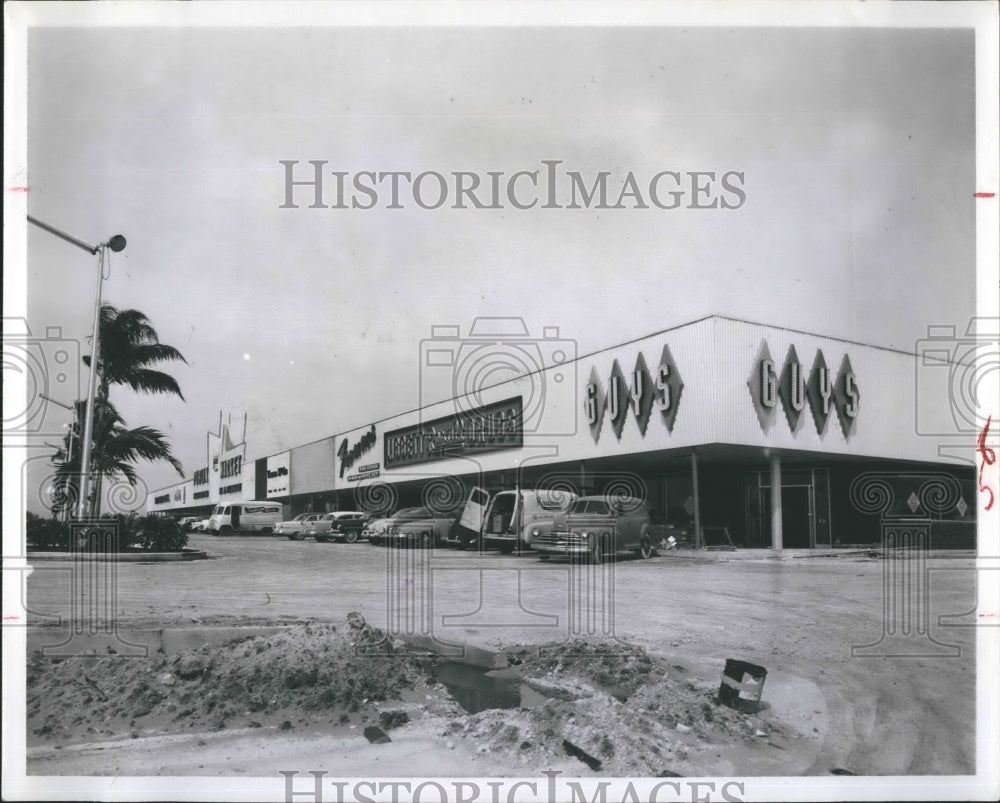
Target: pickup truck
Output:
{"points": [[598, 526]]}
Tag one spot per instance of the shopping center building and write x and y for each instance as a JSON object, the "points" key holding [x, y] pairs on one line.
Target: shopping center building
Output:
{"points": [[787, 439]]}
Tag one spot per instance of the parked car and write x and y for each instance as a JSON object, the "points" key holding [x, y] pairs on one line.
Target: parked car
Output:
{"points": [[187, 522], [377, 529], [349, 529], [596, 526], [424, 529], [323, 529], [294, 527], [199, 526], [509, 520]]}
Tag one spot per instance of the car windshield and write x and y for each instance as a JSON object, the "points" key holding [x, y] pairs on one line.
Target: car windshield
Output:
{"points": [[594, 506], [300, 517]]}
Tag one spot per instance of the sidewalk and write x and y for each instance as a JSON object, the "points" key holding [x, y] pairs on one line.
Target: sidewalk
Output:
{"points": [[724, 556]]}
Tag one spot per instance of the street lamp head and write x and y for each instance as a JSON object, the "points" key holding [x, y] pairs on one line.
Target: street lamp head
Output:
{"points": [[117, 243]]}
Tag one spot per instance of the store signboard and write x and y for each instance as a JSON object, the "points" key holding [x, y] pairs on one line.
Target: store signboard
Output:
{"points": [[278, 469], [792, 388], [489, 428], [637, 395]]}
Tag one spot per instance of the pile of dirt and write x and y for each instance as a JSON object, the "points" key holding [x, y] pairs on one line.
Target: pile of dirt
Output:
{"points": [[310, 674], [627, 713]]}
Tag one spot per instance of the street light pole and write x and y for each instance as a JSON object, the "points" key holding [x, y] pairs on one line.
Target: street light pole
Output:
{"points": [[116, 243], [70, 437]]}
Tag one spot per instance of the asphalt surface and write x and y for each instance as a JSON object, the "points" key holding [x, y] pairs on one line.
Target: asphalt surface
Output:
{"points": [[891, 686]]}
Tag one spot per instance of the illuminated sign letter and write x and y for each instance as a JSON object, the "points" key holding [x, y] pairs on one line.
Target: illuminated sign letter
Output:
{"points": [[851, 394], [767, 383], [591, 403], [824, 388], [637, 391], [614, 397], [797, 391]]}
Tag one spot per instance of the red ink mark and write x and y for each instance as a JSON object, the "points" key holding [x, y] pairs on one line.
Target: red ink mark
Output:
{"points": [[988, 616], [985, 195], [19, 189], [11, 618], [989, 458]]}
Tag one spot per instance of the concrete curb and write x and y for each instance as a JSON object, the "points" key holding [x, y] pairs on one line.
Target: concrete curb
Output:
{"points": [[119, 557]]}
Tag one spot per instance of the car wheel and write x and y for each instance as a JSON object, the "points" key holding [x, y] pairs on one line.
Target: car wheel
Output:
{"points": [[320, 538], [506, 549], [266, 531], [350, 536], [295, 536], [544, 557], [645, 547], [226, 530]]}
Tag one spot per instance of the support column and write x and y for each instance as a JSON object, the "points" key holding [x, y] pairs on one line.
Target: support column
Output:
{"points": [[697, 501], [776, 533]]}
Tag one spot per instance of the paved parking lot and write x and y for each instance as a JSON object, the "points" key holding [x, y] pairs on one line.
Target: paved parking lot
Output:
{"points": [[905, 704]]}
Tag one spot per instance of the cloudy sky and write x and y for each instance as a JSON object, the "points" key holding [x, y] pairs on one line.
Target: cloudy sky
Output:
{"points": [[856, 149]]}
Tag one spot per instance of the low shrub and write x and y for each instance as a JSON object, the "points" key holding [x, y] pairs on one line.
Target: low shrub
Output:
{"points": [[121, 533], [47, 535]]}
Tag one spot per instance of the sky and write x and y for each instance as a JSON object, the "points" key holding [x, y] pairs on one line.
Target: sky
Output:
{"points": [[855, 149]]}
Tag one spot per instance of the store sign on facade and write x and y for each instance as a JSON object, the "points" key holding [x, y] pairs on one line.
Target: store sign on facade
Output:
{"points": [[278, 468], [348, 454], [489, 428], [639, 396], [793, 389]]}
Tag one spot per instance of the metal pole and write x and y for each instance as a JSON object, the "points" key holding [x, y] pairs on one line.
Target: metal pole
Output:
{"points": [[776, 534], [71, 436], [88, 427], [697, 500], [63, 235], [116, 243]]}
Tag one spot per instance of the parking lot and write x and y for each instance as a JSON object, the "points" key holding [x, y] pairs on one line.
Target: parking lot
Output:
{"points": [[901, 705]]}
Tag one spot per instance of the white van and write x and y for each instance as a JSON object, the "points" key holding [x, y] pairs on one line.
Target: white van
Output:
{"points": [[509, 520], [245, 517]]}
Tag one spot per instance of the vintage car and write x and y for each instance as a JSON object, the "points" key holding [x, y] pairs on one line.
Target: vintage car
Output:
{"points": [[187, 523], [599, 526], [293, 528], [377, 530], [326, 527], [425, 529]]}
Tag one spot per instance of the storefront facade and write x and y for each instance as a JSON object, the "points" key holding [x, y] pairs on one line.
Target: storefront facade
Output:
{"points": [[772, 433]]}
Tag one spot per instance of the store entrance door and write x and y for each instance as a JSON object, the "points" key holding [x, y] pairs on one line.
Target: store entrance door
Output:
{"points": [[805, 516], [796, 518]]}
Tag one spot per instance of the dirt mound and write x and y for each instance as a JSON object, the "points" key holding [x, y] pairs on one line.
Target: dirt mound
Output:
{"points": [[614, 666], [335, 673], [629, 714]]}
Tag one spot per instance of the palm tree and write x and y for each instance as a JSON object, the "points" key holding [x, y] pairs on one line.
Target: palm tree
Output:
{"points": [[115, 451], [129, 345]]}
